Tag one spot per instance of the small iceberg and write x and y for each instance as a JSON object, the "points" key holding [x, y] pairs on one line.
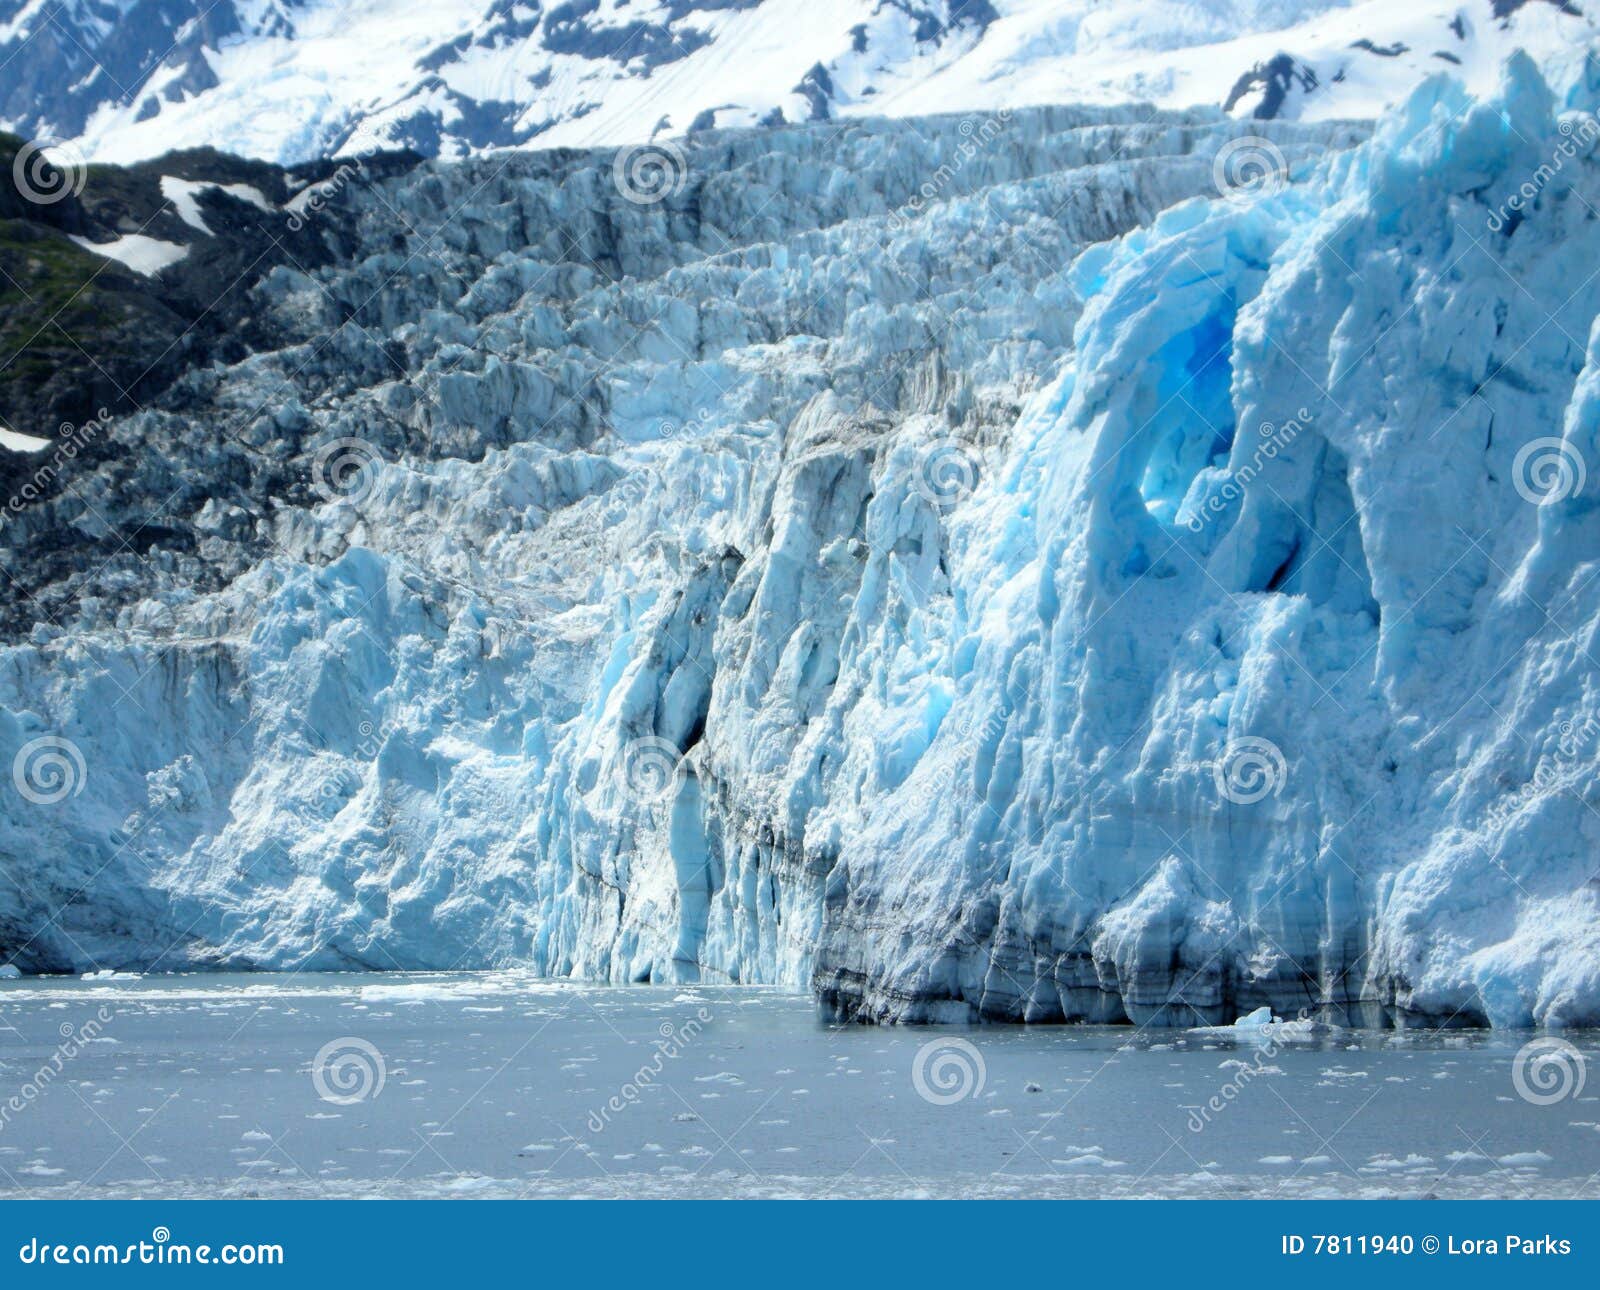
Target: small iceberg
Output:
{"points": [[1262, 1025]]}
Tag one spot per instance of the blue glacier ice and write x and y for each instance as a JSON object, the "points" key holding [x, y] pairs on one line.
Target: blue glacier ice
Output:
{"points": [[960, 568]]}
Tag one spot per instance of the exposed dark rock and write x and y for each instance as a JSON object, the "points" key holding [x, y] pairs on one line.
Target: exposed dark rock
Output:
{"points": [[1273, 80]]}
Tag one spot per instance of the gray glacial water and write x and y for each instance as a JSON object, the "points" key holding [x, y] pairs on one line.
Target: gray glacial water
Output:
{"points": [[505, 1084]]}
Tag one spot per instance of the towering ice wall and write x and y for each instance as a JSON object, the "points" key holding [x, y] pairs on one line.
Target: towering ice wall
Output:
{"points": [[1273, 641], [1039, 566]]}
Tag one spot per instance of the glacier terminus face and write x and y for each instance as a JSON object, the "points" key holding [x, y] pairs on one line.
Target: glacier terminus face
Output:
{"points": [[1039, 564]]}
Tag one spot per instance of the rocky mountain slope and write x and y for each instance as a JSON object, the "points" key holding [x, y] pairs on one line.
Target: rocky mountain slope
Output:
{"points": [[113, 281]]}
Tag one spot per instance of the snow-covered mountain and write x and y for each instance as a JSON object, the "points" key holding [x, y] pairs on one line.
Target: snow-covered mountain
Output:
{"points": [[1065, 563], [287, 80]]}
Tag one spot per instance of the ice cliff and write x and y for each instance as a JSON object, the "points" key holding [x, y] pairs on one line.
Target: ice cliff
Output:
{"points": [[964, 566]]}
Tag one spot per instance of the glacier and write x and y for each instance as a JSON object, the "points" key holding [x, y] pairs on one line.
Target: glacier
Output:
{"points": [[972, 567]]}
